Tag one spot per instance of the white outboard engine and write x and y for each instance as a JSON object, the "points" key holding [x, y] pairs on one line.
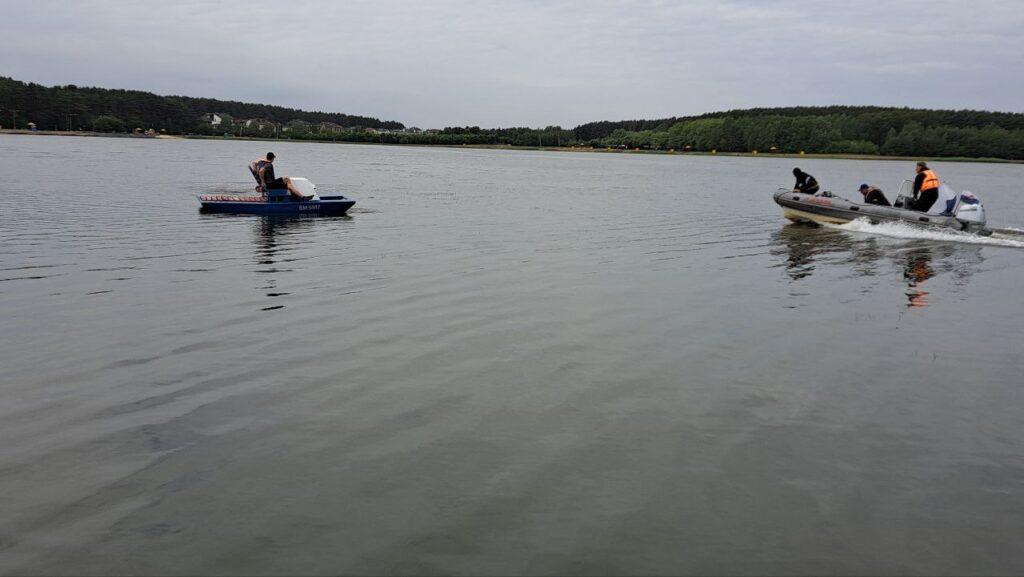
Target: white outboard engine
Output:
{"points": [[304, 186], [970, 212]]}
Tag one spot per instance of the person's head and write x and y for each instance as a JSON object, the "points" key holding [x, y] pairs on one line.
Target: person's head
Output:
{"points": [[797, 172], [921, 166], [270, 157], [864, 188]]}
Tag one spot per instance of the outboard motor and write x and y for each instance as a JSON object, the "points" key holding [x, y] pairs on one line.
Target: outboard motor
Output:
{"points": [[305, 186], [970, 213]]}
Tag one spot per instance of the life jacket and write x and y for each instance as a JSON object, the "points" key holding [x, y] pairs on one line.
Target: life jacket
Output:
{"points": [[930, 180]]}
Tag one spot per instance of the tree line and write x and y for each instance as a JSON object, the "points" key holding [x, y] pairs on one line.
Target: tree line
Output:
{"points": [[830, 129], [72, 107], [551, 136], [869, 130]]}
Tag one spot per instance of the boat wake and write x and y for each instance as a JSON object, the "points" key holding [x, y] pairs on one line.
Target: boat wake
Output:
{"points": [[907, 231], [1010, 232]]}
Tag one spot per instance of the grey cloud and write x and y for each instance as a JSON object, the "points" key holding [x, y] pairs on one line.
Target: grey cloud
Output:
{"points": [[529, 63]]}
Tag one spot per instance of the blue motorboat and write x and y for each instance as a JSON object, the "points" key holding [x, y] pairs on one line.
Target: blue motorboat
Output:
{"points": [[278, 202]]}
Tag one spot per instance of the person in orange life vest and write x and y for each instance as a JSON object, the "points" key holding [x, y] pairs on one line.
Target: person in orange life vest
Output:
{"points": [[926, 188]]}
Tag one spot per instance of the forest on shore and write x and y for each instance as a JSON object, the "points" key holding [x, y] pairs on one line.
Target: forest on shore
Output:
{"points": [[867, 130], [863, 130], [72, 107]]}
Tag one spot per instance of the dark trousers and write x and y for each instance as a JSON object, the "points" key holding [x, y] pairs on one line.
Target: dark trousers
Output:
{"points": [[925, 199]]}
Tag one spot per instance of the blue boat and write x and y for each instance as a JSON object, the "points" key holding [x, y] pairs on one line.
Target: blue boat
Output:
{"points": [[278, 202]]}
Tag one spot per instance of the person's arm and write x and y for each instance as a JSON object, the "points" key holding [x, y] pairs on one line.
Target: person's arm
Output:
{"points": [[799, 186], [256, 174], [918, 181]]}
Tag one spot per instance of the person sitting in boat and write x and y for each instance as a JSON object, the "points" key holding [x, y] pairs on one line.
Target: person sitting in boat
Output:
{"points": [[266, 173], [873, 195], [926, 188], [256, 166], [805, 183]]}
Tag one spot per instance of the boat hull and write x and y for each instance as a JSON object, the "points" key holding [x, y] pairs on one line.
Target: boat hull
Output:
{"points": [[801, 207], [325, 206]]}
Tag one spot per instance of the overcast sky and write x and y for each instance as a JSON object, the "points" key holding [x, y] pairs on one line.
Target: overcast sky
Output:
{"points": [[511, 63]]}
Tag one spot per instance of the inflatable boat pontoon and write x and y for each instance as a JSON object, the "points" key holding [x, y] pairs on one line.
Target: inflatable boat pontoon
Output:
{"points": [[965, 214]]}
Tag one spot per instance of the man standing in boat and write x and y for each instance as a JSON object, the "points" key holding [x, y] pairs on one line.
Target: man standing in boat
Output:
{"points": [[805, 183], [926, 188], [266, 178]]}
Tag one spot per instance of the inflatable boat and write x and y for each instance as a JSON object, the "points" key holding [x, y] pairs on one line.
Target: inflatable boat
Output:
{"points": [[278, 202], [962, 211]]}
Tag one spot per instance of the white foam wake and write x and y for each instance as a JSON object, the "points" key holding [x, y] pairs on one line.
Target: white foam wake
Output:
{"points": [[909, 231]]}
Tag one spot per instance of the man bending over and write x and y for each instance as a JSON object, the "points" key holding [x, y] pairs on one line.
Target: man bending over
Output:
{"points": [[873, 195], [805, 183]]}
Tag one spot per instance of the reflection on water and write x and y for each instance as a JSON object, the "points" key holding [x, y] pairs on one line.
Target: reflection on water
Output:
{"points": [[808, 248], [805, 245], [917, 271], [276, 237]]}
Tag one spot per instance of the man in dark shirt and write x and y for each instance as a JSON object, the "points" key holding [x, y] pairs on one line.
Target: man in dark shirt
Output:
{"points": [[805, 183], [255, 167], [266, 173], [873, 195]]}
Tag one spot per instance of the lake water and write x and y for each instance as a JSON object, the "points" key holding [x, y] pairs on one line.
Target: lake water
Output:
{"points": [[502, 362]]}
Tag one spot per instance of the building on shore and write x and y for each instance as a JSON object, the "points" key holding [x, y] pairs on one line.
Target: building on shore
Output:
{"points": [[331, 127], [212, 119], [298, 125]]}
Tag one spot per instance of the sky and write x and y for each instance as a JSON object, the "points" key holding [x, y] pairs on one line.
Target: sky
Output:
{"points": [[436, 63]]}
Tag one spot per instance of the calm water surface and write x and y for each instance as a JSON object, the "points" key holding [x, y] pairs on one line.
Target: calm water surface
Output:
{"points": [[501, 363]]}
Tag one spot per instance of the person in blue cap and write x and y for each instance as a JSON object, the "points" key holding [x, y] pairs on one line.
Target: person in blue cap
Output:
{"points": [[873, 195]]}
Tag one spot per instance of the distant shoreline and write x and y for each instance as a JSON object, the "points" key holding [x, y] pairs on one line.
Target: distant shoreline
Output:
{"points": [[78, 133], [22, 131]]}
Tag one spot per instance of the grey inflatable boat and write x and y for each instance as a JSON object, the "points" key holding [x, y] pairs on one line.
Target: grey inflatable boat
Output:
{"points": [[965, 214]]}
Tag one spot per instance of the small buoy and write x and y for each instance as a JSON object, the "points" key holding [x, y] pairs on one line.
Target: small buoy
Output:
{"points": [[801, 153], [755, 152], [714, 151]]}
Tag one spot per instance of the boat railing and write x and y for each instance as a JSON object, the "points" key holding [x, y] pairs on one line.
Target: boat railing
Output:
{"points": [[905, 195]]}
